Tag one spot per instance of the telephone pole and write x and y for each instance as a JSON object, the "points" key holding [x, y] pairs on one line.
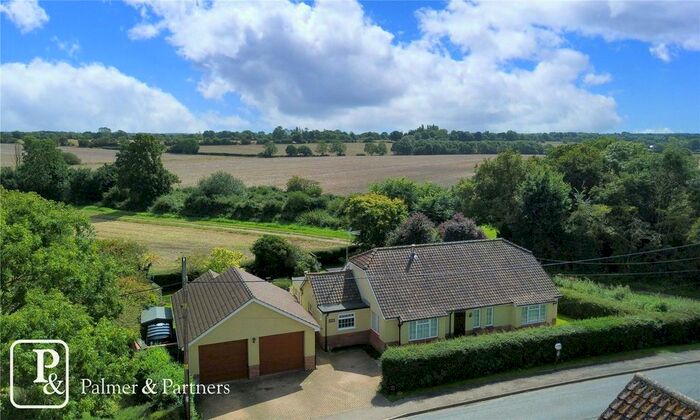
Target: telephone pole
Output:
{"points": [[186, 364]]}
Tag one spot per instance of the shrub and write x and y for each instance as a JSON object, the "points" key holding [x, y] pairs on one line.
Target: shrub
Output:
{"points": [[460, 228], [71, 158], [276, 257], [416, 229], [291, 150], [157, 365], [187, 146], [308, 186], [423, 365], [304, 150], [221, 183], [8, 178], [320, 218], [172, 203]]}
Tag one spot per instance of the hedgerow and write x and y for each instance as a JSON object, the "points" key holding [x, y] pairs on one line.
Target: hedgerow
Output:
{"points": [[618, 320], [424, 365]]}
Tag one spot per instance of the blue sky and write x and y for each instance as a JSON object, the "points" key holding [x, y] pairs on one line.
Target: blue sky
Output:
{"points": [[167, 66]]}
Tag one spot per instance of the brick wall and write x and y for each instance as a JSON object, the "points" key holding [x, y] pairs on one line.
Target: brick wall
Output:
{"points": [[310, 362], [376, 342], [348, 339]]}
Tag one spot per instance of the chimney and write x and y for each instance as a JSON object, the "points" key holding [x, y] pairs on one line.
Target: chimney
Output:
{"points": [[411, 257]]}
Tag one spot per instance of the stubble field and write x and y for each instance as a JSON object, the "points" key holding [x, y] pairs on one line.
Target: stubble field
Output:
{"points": [[337, 174]]}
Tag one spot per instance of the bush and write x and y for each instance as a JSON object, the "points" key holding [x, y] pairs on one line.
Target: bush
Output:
{"points": [[8, 178], [460, 228], [276, 257], [171, 203], [423, 365], [320, 218], [221, 183], [304, 150], [187, 146], [71, 158], [157, 365]]}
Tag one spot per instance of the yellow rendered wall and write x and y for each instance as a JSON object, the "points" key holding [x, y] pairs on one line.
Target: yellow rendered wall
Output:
{"points": [[443, 326], [253, 321], [551, 314], [388, 328], [362, 322]]}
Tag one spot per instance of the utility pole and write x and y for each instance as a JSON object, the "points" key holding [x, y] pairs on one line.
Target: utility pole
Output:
{"points": [[186, 364]]}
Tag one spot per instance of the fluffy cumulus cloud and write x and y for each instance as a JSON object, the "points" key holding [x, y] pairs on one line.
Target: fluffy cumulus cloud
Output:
{"points": [[42, 95], [27, 15], [327, 65]]}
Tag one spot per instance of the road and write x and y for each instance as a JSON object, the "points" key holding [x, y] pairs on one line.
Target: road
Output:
{"points": [[584, 400]]}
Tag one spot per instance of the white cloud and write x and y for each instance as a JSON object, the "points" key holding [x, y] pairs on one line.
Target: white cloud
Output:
{"points": [[27, 15], [329, 66], [661, 52], [144, 31], [58, 96], [594, 79], [69, 47]]}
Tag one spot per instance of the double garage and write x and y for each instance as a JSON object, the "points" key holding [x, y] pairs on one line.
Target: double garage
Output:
{"points": [[240, 326], [227, 361]]}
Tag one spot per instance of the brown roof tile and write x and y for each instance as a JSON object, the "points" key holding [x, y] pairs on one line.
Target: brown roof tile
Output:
{"points": [[645, 399], [212, 297], [453, 276], [334, 288]]}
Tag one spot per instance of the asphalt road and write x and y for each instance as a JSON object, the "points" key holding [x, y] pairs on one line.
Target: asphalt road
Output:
{"points": [[584, 400]]}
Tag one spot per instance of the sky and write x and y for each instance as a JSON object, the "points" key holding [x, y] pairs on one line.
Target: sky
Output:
{"points": [[189, 66]]}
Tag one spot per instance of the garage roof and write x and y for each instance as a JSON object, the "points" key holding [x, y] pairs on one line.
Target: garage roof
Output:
{"points": [[213, 297]]}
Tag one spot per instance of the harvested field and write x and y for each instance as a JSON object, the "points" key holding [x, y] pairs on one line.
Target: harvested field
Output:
{"points": [[169, 243], [337, 174]]}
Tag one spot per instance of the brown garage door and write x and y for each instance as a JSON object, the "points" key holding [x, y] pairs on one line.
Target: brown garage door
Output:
{"points": [[281, 352], [223, 362]]}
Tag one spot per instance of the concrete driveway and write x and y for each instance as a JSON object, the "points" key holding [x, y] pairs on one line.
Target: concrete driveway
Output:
{"points": [[344, 380]]}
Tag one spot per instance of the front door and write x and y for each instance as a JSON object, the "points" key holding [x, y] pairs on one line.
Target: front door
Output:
{"points": [[459, 323]]}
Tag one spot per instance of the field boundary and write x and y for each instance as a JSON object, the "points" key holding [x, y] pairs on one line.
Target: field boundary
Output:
{"points": [[321, 234]]}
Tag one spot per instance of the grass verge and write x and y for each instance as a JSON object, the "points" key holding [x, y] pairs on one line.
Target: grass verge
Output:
{"points": [[540, 370]]}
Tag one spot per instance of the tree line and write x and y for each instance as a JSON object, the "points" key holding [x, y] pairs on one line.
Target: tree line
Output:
{"points": [[426, 139], [597, 198]]}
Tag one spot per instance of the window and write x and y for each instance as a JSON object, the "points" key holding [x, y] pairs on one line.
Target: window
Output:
{"points": [[476, 318], [423, 329], [533, 314], [489, 317], [346, 321], [375, 322]]}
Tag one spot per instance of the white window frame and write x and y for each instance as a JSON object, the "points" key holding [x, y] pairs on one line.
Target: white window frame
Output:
{"points": [[346, 316], [432, 329], [489, 317], [476, 318], [375, 322], [533, 314]]}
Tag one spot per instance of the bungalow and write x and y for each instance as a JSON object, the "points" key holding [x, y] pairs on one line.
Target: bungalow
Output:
{"points": [[417, 293], [241, 326]]}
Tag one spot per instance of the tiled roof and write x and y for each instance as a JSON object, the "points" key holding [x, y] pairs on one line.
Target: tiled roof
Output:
{"points": [[335, 289], [212, 297], [643, 398], [453, 276]]}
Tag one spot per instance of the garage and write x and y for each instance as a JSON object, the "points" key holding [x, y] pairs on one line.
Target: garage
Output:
{"points": [[223, 362], [241, 326], [281, 352]]}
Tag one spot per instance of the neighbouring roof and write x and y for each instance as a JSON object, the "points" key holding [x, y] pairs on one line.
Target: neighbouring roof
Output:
{"points": [[643, 398], [155, 313], [212, 297], [335, 291], [453, 276]]}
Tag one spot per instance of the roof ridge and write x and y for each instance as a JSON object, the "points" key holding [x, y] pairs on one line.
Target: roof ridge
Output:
{"points": [[514, 245], [324, 273], [675, 394], [382, 248]]}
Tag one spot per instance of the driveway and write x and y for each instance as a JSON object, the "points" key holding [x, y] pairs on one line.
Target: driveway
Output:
{"points": [[344, 380]]}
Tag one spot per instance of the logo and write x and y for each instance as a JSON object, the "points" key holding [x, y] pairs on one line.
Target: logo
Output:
{"points": [[50, 375]]}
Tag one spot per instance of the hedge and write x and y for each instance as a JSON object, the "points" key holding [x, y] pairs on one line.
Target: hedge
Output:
{"points": [[424, 365], [578, 305]]}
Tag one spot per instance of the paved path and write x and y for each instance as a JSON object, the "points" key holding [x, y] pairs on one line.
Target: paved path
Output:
{"points": [[583, 400], [383, 409]]}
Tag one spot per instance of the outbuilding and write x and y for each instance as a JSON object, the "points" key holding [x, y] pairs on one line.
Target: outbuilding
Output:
{"points": [[241, 326]]}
